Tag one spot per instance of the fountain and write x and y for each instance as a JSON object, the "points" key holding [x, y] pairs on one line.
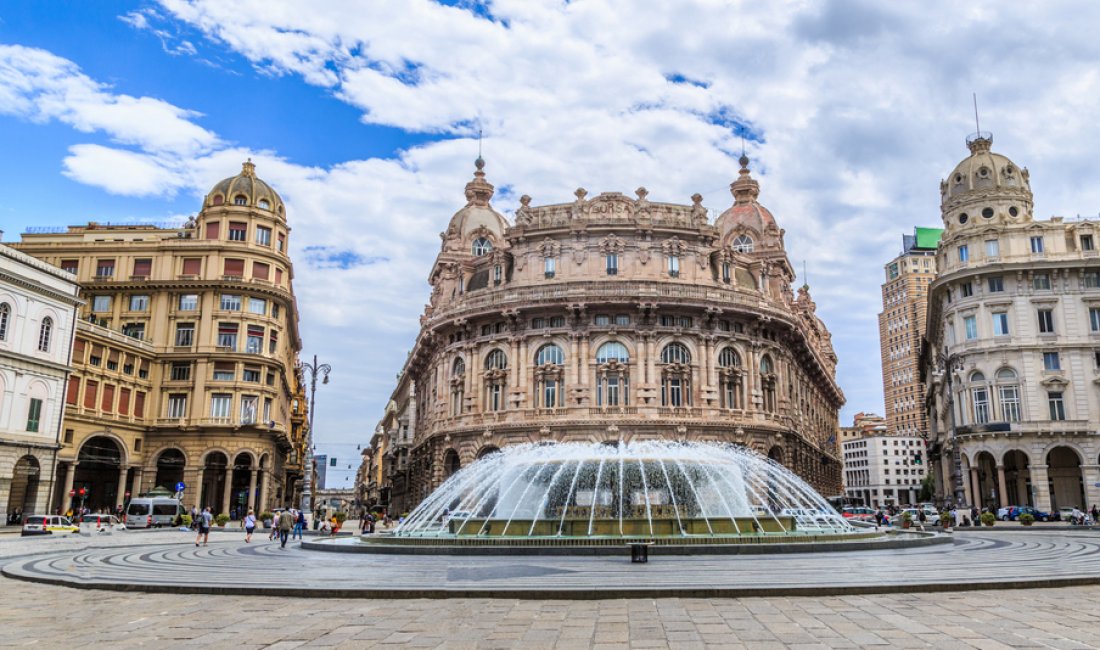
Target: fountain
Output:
{"points": [[590, 494]]}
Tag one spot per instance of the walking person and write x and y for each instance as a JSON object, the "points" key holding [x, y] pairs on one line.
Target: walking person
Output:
{"points": [[299, 523], [204, 521], [249, 526], [274, 526], [286, 522]]}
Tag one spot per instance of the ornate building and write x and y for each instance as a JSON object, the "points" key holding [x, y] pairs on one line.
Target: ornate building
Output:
{"points": [[38, 305], [185, 356], [1012, 350], [605, 319]]}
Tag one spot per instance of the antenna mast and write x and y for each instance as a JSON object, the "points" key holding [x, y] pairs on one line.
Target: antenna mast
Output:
{"points": [[977, 124]]}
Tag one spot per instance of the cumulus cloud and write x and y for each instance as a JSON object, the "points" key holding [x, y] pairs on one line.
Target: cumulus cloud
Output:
{"points": [[853, 111]]}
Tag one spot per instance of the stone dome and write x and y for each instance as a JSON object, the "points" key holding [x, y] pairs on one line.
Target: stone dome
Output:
{"points": [[477, 219], [746, 212], [985, 184], [245, 189]]}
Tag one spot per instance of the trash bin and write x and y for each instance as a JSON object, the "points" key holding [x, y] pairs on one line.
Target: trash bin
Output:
{"points": [[639, 552]]}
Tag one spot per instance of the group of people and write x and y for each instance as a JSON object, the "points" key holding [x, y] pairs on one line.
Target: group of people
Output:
{"points": [[286, 524]]}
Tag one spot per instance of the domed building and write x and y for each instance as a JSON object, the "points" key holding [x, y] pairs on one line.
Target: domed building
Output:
{"points": [[1010, 355], [185, 357], [609, 318]]}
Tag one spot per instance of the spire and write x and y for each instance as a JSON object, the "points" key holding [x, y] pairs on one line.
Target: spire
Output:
{"points": [[248, 169], [745, 189], [479, 191]]}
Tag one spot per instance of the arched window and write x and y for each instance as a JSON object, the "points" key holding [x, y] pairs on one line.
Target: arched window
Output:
{"points": [[458, 386], [612, 374], [549, 373], [263, 203], [979, 393], [496, 380], [1008, 392], [729, 378], [743, 244], [676, 375], [5, 314], [767, 383], [44, 334], [482, 246], [240, 199]]}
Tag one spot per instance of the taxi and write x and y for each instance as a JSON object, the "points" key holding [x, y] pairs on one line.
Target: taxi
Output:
{"points": [[48, 525]]}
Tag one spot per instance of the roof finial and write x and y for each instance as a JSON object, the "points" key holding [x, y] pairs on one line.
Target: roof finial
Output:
{"points": [[480, 162], [744, 160], [805, 276], [248, 169], [977, 124]]}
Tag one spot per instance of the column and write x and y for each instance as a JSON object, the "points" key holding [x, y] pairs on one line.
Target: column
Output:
{"points": [[1040, 487], [228, 488], [135, 485], [975, 488], [1090, 474], [947, 487], [252, 490], [70, 474], [1002, 491], [120, 496], [968, 487], [193, 490]]}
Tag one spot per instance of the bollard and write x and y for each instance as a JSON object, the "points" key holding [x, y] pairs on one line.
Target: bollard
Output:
{"points": [[639, 553]]}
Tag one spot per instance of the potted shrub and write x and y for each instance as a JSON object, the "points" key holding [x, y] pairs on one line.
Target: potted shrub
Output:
{"points": [[185, 520], [340, 517], [988, 518], [1026, 519], [945, 519], [906, 519], [266, 517], [221, 520]]}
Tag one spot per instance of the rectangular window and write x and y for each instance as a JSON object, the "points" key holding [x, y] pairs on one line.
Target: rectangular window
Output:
{"points": [[257, 306], [91, 391], [971, 325], [536, 324], [966, 289], [261, 271], [1046, 321], [279, 278], [34, 414], [726, 274], [134, 330], [70, 266], [72, 395], [238, 231], [181, 371], [263, 236], [220, 403], [673, 266], [225, 371], [1057, 405], [1040, 282], [185, 334], [1000, 323], [622, 319], [227, 335], [272, 341], [550, 394], [192, 266], [255, 342], [101, 303], [189, 302], [234, 268], [251, 374], [612, 264], [1010, 403], [602, 320], [992, 248], [964, 253], [212, 229], [996, 284], [282, 242], [249, 404], [139, 303], [230, 302], [139, 405], [1086, 243], [105, 268], [274, 310], [270, 381], [124, 401], [1037, 245], [549, 267], [143, 268], [555, 321], [177, 406], [267, 409], [1051, 361], [1094, 319], [107, 405]]}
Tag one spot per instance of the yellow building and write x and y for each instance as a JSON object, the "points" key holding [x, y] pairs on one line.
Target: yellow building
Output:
{"points": [[185, 356]]}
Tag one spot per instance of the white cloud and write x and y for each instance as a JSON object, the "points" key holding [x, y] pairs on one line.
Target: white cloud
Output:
{"points": [[862, 107], [121, 172]]}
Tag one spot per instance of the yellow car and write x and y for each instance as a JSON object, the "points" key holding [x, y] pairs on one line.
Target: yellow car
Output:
{"points": [[48, 525]]}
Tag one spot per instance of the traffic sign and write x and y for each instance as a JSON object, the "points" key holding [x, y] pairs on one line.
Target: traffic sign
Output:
{"points": [[72, 493], [1096, 485], [180, 487]]}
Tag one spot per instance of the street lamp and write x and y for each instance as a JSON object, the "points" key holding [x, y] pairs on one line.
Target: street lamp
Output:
{"points": [[952, 364], [313, 370]]}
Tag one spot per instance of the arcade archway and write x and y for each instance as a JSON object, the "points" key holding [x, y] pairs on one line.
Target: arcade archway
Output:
{"points": [[24, 485], [170, 466], [99, 465]]}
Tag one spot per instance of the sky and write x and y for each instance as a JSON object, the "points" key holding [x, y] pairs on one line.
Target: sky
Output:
{"points": [[365, 116]]}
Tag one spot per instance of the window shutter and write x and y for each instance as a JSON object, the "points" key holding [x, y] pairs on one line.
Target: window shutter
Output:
{"points": [[91, 389], [78, 350], [278, 276], [192, 266], [108, 398], [73, 394], [143, 268], [260, 271], [112, 356], [124, 401], [139, 405], [234, 267], [212, 230]]}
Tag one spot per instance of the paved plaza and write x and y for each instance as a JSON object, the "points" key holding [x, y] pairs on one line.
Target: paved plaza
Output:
{"points": [[51, 616]]}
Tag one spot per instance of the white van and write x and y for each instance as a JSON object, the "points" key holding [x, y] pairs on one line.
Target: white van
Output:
{"points": [[152, 512]]}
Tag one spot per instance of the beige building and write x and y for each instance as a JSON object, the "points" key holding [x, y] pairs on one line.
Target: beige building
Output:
{"points": [[38, 306], [1012, 351], [901, 329], [185, 356], [881, 467], [607, 319]]}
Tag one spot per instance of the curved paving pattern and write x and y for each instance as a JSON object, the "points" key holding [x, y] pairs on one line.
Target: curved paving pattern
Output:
{"points": [[975, 561]]}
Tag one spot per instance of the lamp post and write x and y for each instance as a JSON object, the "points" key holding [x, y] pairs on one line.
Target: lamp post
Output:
{"points": [[956, 455], [313, 370]]}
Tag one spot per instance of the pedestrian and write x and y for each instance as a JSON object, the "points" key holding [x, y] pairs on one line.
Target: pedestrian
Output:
{"points": [[204, 521], [286, 522], [299, 523], [363, 525], [274, 526], [370, 523], [1095, 513], [249, 526], [921, 517]]}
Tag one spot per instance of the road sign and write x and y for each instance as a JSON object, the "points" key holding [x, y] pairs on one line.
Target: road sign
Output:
{"points": [[180, 487], [72, 493], [1096, 485]]}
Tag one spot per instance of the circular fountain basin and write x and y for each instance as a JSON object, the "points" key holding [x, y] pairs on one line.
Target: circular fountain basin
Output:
{"points": [[590, 494]]}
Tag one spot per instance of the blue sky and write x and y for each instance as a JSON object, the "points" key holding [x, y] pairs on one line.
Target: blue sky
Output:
{"points": [[364, 114]]}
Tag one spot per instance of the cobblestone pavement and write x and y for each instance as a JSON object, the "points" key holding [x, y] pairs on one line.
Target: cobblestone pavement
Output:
{"points": [[47, 616]]}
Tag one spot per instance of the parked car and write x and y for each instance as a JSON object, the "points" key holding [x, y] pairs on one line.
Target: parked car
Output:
{"points": [[1005, 513], [48, 525], [859, 513], [930, 518], [1014, 513], [101, 523], [153, 512]]}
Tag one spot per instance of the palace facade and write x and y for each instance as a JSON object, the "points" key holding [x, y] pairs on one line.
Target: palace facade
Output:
{"points": [[1012, 350], [185, 356], [607, 319]]}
